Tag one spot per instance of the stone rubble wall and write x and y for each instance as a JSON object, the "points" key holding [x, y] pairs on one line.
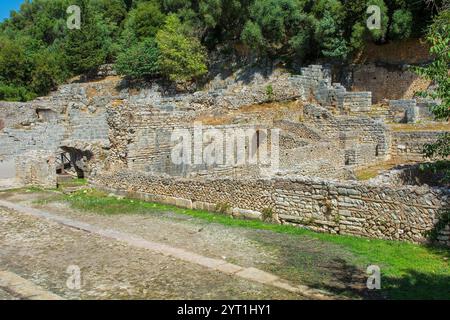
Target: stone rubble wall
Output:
{"points": [[408, 111], [409, 144], [36, 167], [378, 211], [34, 132], [386, 82], [366, 138]]}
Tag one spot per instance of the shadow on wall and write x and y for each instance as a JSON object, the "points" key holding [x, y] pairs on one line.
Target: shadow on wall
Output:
{"points": [[430, 173], [440, 234]]}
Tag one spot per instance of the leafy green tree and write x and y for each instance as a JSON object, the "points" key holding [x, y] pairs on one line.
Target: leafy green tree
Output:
{"points": [[328, 32], [273, 23], [182, 57], [113, 11], [330, 38], [223, 18], [41, 19], [438, 72], [15, 93], [145, 20], [87, 48], [252, 35], [140, 60], [357, 38], [48, 71], [401, 27], [14, 64]]}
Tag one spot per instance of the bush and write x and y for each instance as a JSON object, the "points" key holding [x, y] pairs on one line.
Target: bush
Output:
{"points": [[11, 93], [401, 26], [145, 20], [269, 91], [182, 57], [267, 215], [252, 36], [139, 61]]}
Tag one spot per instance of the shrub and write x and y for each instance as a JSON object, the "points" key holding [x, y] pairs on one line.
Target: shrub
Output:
{"points": [[223, 207], [140, 60], [269, 91], [182, 58], [401, 26], [268, 214], [11, 93]]}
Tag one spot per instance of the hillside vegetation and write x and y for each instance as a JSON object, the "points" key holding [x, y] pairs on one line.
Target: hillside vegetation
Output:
{"points": [[173, 38]]}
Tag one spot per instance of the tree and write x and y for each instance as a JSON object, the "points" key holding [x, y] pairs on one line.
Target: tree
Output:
{"points": [[87, 48], [140, 60], [48, 71], [145, 20], [182, 57], [357, 39], [252, 35], [328, 31], [330, 38], [401, 26], [438, 72], [14, 64]]}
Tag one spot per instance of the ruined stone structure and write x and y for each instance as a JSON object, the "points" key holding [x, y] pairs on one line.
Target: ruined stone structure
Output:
{"points": [[122, 139]]}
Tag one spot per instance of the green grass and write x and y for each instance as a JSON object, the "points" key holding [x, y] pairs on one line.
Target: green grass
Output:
{"points": [[77, 182], [408, 271]]}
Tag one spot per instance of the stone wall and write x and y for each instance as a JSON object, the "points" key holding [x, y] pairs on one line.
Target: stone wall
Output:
{"points": [[409, 111], [36, 167], [315, 83], [368, 138], [385, 212], [409, 144], [73, 116], [386, 82]]}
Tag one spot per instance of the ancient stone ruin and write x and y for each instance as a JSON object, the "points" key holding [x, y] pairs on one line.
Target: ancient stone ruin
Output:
{"points": [[319, 133]]}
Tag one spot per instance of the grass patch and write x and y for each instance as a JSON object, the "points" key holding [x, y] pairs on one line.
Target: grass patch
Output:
{"points": [[415, 127], [408, 271], [76, 182], [374, 170]]}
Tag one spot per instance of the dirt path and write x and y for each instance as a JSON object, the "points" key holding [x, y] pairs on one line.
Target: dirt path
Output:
{"points": [[42, 251], [299, 261]]}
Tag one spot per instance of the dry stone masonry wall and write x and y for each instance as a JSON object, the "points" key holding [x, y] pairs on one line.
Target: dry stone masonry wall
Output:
{"points": [[398, 213]]}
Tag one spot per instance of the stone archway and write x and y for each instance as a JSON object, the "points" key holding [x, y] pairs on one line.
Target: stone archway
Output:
{"points": [[74, 161]]}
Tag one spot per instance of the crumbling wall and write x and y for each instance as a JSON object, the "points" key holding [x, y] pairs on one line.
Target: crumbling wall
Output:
{"points": [[408, 145], [33, 131], [36, 167], [409, 111], [387, 82]]}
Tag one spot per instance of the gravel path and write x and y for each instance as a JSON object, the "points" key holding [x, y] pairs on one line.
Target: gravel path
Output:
{"points": [[6, 296], [299, 260], [41, 251]]}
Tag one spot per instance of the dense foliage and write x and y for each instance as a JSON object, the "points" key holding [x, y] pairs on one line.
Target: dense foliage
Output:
{"points": [[438, 72], [172, 38]]}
